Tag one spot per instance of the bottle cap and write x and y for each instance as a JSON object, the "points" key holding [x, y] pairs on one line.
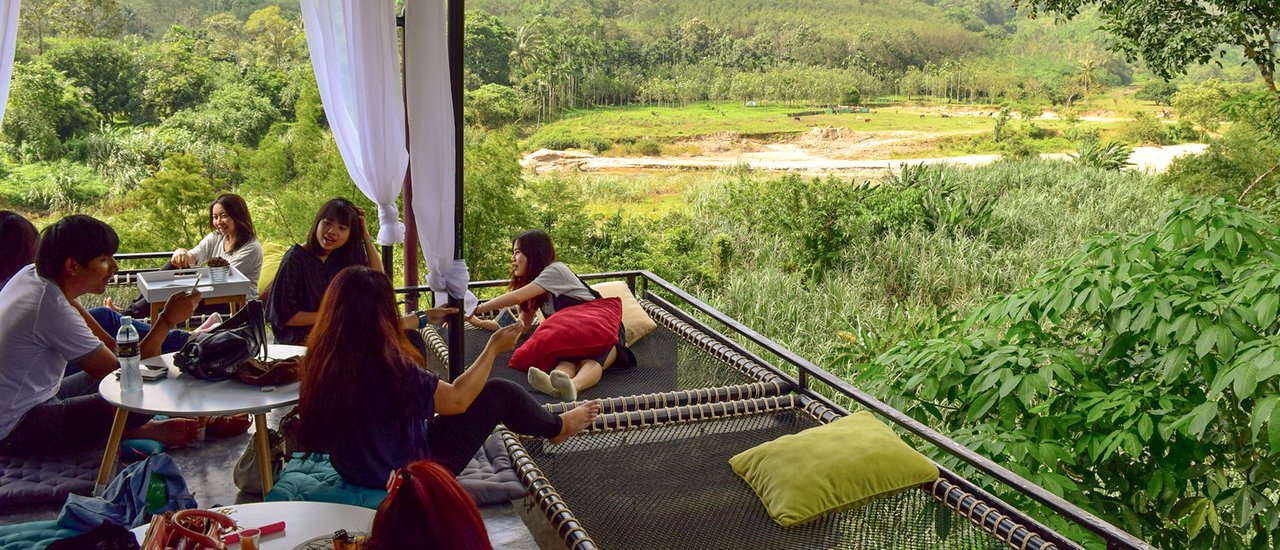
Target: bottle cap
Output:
{"points": [[126, 320]]}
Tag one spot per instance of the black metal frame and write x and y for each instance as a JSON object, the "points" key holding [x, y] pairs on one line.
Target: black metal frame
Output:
{"points": [[809, 373], [640, 281]]}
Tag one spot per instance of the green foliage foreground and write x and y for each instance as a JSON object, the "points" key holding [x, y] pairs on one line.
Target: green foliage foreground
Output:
{"points": [[1138, 378]]}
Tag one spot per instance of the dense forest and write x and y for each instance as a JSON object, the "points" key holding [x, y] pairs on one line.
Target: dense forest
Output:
{"points": [[1109, 334]]}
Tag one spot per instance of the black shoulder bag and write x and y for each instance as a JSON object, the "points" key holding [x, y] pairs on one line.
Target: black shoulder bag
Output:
{"points": [[214, 355]]}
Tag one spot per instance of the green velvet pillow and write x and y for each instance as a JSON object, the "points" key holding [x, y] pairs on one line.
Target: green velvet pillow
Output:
{"points": [[847, 463]]}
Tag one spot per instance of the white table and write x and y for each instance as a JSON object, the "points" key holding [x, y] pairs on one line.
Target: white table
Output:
{"points": [[303, 521], [183, 395]]}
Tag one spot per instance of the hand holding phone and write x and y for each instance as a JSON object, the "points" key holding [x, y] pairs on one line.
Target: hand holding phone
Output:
{"points": [[506, 318]]}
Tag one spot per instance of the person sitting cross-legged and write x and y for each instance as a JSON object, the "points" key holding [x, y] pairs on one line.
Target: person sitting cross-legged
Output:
{"points": [[368, 402], [43, 328]]}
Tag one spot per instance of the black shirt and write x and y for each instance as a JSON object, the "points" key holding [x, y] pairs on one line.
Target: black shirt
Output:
{"points": [[299, 286], [376, 447]]}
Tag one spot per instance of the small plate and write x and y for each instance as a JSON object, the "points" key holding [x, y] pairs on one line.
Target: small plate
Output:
{"points": [[325, 542]]}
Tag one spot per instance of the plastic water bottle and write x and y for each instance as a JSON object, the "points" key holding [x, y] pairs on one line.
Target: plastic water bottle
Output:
{"points": [[129, 355]]}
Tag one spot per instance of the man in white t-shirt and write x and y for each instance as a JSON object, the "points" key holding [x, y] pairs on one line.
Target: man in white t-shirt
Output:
{"points": [[43, 327]]}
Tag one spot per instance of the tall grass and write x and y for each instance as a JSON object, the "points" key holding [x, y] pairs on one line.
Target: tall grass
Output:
{"points": [[896, 285]]}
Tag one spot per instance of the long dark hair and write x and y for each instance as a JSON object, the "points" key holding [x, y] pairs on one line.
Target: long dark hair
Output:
{"points": [[342, 211], [536, 246], [359, 364], [239, 211], [17, 244], [427, 508]]}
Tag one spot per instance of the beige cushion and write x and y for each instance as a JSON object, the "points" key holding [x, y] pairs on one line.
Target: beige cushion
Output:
{"points": [[634, 319]]}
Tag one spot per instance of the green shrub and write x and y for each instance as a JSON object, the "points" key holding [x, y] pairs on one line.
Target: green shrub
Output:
{"points": [[1139, 378], [1231, 163], [645, 147], [1019, 148], [1111, 155], [1082, 134], [1144, 130]]}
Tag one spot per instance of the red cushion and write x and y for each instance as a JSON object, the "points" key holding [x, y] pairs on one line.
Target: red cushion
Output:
{"points": [[585, 330]]}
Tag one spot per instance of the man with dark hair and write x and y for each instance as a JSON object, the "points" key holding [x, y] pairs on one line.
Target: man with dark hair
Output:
{"points": [[44, 327]]}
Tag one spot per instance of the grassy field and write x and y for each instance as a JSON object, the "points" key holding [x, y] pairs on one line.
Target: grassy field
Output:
{"points": [[955, 131]]}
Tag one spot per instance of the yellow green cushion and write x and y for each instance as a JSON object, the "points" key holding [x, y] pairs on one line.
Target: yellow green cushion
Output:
{"points": [[847, 463], [271, 255]]}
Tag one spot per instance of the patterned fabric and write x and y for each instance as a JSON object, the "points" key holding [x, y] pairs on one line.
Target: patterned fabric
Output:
{"points": [[35, 534], [489, 478], [32, 480]]}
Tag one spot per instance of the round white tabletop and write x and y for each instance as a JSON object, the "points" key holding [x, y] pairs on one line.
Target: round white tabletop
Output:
{"points": [[181, 395], [303, 521]]}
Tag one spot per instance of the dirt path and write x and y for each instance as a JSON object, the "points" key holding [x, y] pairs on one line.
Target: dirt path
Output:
{"points": [[828, 158]]}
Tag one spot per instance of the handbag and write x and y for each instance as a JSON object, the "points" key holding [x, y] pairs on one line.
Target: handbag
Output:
{"points": [[214, 355], [247, 475], [276, 372], [192, 529]]}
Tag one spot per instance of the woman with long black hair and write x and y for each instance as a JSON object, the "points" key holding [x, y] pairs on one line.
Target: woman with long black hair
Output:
{"points": [[338, 239], [367, 401]]}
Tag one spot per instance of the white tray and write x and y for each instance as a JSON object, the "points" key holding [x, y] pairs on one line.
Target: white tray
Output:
{"points": [[158, 286]]}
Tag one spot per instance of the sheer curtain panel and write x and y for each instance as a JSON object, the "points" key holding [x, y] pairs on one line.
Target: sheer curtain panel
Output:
{"points": [[353, 51]]}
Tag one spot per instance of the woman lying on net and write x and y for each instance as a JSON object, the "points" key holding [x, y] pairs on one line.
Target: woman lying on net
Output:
{"points": [[539, 282], [367, 401]]}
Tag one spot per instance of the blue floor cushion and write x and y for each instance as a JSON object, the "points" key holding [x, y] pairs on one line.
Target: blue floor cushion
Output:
{"points": [[312, 477], [32, 536], [489, 478]]}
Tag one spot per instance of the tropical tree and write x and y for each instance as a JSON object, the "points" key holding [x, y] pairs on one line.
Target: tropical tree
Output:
{"points": [[487, 48], [105, 68], [44, 109]]}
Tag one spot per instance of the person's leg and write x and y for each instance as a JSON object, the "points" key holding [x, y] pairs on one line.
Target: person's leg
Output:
{"points": [[110, 322], [76, 418], [541, 381], [454, 439], [588, 375]]}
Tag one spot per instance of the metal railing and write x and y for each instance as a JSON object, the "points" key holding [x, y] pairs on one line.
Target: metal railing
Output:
{"points": [[640, 281]]}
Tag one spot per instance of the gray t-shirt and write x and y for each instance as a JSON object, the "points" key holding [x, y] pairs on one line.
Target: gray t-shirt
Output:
{"points": [[40, 332], [247, 259], [558, 280]]}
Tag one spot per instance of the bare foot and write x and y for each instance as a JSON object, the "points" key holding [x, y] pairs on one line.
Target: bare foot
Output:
{"points": [[577, 420], [172, 433], [209, 324], [106, 302]]}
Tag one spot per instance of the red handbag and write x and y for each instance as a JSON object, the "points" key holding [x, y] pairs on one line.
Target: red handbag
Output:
{"points": [[188, 530]]}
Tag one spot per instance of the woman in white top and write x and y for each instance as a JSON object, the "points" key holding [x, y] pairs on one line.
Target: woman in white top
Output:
{"points": [[233, 238]]}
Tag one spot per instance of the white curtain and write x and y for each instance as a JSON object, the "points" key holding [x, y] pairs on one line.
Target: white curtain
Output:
{"points": [[431, 145], [9, 37], [353, 51]]}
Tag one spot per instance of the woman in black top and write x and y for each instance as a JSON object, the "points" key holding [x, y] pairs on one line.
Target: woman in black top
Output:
{"points": [[338, 239]]}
